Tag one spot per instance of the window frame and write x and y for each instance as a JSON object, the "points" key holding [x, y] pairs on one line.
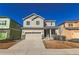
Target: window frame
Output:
{"points": [[3, 22], [27, 22], [70, 25], [37, 22]]}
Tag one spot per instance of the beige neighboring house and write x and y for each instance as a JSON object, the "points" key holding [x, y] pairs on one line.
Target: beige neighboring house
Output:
{"points": [[69, 29], [35, 26]]}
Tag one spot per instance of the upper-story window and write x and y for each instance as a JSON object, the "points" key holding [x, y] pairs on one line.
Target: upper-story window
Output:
{"points": [[52, 23], [70, 25], [27, 22], [37, 22], [2, 22]]}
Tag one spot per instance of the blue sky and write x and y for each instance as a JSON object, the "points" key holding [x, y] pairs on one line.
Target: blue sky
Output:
{"points": [[59, 12]]}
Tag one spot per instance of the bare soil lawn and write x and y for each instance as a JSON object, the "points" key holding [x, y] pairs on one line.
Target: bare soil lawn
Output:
{"points": [[6, 44], [59, 44]]}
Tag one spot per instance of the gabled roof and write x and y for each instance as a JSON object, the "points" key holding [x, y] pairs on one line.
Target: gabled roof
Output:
{"points": [[33, 14], [72, 21], [69, 21]]}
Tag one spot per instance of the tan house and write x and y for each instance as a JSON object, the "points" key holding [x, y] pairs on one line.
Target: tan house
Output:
{"points": [[69, 29], [35, 26]]}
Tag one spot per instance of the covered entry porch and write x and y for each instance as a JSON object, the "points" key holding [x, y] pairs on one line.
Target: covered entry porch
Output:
{"points": [[50, 32]]}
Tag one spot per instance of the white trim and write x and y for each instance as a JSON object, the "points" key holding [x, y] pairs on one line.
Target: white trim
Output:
{"points": [[33, 14], [30, 15]]}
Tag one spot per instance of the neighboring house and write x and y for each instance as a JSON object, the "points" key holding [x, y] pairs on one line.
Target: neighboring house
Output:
{"points": [[35, 26], [69, 29], [9, 29]]}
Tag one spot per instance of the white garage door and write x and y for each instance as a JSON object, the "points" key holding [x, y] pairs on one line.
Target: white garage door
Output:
{"points": [[75, 35], [33, 35]]}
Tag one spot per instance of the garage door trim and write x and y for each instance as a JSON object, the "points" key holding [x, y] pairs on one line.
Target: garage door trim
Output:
{"points": [[32, 32]]}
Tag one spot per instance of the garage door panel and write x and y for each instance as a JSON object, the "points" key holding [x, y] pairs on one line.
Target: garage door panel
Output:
{"points": [[33, 32], [33, 35]]}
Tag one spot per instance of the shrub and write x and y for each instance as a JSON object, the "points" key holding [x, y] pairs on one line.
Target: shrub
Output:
{"points": [[74, 40], [58, 37]]}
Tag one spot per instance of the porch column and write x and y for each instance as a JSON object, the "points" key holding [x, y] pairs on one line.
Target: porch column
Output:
{"points": [[50, 32]]}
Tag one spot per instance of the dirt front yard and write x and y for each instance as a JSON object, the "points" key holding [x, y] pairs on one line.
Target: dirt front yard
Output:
{"points": [[59, 44], [6, 44]]}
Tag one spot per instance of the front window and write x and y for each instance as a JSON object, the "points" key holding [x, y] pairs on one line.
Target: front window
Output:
{"points": [[2, 22], [37, 22], [28, 23], [53, 23], [70, 25]]}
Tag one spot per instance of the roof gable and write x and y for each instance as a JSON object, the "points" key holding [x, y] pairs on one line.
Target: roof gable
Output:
{"points": [[69, 21], [33, 14]]}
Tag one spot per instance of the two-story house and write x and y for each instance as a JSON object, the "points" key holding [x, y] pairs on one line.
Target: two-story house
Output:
{"points": [[69, 29], [35, 26], [9, 29]]}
